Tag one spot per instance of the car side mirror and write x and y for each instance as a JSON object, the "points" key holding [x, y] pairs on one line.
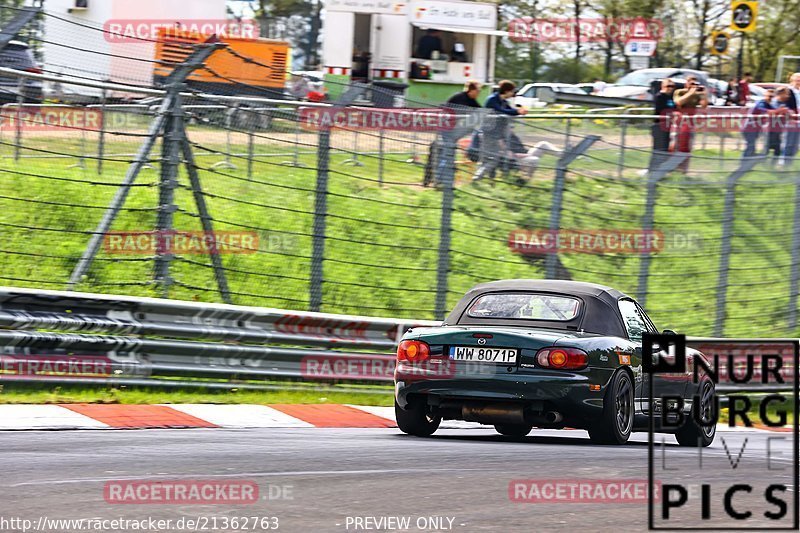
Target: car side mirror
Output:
{"points": [[668, 332]]}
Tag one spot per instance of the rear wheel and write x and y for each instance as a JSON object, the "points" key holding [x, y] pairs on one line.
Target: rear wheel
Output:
{"points": [[415, 419], [513, 430], [616, 423], [693, 434]]}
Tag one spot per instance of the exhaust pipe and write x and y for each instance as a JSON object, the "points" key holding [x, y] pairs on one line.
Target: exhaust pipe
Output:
{"points": [[493, 414], [553, 417]]}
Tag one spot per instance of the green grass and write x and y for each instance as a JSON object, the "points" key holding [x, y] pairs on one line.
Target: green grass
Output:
{"points": [[15, 394], [754, 413], [382, 240]]}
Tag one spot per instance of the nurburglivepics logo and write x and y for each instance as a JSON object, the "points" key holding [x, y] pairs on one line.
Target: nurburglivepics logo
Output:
{"points": [[743, 407]]}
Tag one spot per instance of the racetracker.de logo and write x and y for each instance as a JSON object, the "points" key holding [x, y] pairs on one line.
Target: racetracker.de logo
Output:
{"points": [[399, 119], [199, 492], [181, 242], [36, 118], [587, 241], [578, 491], [588, 30], [138, 30]]}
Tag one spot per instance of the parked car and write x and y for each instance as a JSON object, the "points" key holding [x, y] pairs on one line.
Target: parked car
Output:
{"points": [[641, 83], [18, 55], [552, 354], [530, 95], [769, 85]]}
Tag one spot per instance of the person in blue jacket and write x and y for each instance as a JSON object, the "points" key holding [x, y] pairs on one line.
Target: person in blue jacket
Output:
{"points": [[495, 128]]}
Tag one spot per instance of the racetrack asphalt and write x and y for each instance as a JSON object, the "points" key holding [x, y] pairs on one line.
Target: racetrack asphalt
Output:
{"points": [[325, 479]]}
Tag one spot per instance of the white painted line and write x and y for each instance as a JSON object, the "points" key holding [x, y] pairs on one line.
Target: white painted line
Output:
{"points": [[240, 416], [44, 417]]}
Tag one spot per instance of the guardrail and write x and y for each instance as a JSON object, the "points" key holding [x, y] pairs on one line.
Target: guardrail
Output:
{"points": [[71, 337]]}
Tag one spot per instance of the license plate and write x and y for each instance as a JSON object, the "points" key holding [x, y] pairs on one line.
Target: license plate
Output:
{"points": [[501, 356]]}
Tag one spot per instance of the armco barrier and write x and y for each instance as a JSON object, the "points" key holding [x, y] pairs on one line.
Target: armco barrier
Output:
{"points": [[97, 339]]}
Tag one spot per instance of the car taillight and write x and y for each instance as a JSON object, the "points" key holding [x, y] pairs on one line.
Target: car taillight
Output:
{"points": [[562, 358], [35, 70], [413, 351]]}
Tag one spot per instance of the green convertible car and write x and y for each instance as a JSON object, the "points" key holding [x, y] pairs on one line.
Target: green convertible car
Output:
{"points": [[552, 354]]}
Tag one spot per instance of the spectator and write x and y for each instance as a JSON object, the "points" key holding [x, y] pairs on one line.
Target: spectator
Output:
{"points": [[793, 134], [688, 100], [766, 109], [299, 86], [743, 92], [430, 42], [496, 128], [664, 108], [732, 92], [598, 86], [461, 104]]}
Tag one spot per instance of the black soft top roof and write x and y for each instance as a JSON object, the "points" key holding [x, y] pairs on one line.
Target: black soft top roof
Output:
{"points": [[599, 311]]}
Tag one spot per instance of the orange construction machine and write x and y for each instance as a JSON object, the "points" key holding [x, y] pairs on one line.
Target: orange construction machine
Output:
{"points": [[256, 67]]}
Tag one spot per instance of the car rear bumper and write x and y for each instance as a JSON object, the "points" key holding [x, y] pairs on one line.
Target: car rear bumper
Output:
{"points": [[566, 392]]}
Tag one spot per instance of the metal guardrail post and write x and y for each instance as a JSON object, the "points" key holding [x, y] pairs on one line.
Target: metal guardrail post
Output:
{"points": [[569, 155], [654, 176], [320, 214], [727, 236], [794, 274]]}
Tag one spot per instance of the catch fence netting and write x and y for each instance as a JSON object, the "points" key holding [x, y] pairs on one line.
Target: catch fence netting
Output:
{"points": [[364, 220]]}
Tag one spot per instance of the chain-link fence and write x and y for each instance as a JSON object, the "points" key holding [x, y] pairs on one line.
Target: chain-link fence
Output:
{"points": [[166, 190]]}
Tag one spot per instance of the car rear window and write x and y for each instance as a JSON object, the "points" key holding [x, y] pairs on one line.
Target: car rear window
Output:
{"points": [[525, 306]]}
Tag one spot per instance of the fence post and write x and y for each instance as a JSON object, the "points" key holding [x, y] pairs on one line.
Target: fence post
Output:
{"points": [[202, 210], [445, 227], [18, 129], [727, 235], [250, 151], [569, 155], [794, 266], [168, 182], [159, 125], [320, 212], [380, 157], [101, 141], [654, 176], [621, 160]]}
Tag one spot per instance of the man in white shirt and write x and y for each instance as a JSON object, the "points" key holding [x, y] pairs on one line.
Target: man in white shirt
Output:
{"points": [[598, 87], [793, 132]]}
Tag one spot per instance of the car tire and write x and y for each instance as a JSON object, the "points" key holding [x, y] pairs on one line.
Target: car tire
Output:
{"points": [[693, 434], [513, 430], [416, 420], [616, 422]]}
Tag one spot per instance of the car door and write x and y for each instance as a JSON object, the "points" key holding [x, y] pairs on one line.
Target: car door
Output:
{"points": [[636, 324], [528, 99]]}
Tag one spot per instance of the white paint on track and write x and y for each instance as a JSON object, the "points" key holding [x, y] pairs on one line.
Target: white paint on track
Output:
{"points": [[240, 416], [44, 417]]}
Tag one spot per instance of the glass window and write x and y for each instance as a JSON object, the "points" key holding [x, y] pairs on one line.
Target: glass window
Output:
{"points": [[635, 321], [640, 78], [525, 306]]}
